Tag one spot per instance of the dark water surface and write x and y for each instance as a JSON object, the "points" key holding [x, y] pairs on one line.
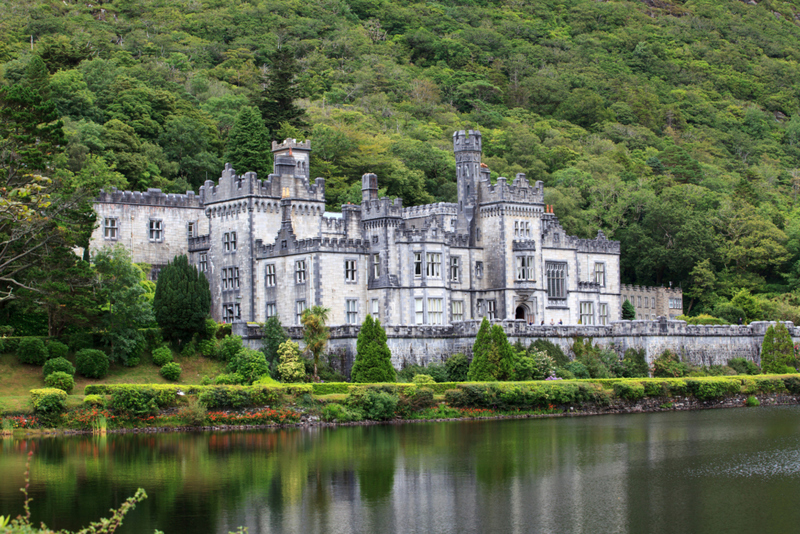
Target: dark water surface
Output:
{"points": [[704, 471]]}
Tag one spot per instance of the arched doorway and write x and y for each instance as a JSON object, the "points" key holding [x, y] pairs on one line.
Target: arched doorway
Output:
{"points": [[521, 313]]}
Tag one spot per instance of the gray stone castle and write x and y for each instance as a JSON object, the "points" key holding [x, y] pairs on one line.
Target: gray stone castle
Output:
{"points": [[268, 247]]}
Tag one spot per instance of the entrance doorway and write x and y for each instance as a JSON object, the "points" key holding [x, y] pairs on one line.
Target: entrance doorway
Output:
{"points": [[523, 314]]}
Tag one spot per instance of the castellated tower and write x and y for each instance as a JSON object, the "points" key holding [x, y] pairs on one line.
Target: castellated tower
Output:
{"points": [[300, 151], [467, 150]]}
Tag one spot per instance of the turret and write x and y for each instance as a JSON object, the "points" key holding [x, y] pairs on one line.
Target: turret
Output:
{"points": [[299, 151], [467, 150], [369, 187]]}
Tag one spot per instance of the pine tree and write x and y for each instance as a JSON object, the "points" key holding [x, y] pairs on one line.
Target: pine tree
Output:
{"points": [[492, 355], [274, 336], [373, 357], [182, 300], [777, 350], [277, 100], [248, 147], [628, 311], [37, 78]]}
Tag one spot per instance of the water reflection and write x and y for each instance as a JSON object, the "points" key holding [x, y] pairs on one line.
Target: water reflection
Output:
{"points": [[709, 471]]}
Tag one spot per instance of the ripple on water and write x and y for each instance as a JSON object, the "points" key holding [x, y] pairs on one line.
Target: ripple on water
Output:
{"points": [[765, 464]]}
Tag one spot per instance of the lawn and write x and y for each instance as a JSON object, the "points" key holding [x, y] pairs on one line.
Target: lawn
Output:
{"points": [[19, 379]]}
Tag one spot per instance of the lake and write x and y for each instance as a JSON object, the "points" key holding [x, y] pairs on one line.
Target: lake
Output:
{"points": [[735, 470]]}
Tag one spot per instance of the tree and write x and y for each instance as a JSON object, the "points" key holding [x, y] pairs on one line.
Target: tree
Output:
{"points": [[628, 311], [273, 337], [373, 358], [125, 308], [280, 92], [248, 148], [182, 300], [315, 333], [291, 369], [492, 355], [777, 351]]}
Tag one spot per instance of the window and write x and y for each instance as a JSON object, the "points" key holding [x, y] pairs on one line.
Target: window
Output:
{"points": [[457, 308], [522, 229], [269, 275], [640, 302], [516, 228], [350, 270], [272, 309], [351, 306], [455, 263], [490, 309], [156, 230], [433, 264], [525, 268], [230, 278], [300, 271], [600, 273], [231, 312], [376, 265], [229, 242], [587, 313], [556, 273], [435, 314], [191, 228], [646, 302], [111, 228], [418, 315], [203, 262], [299, 308], [375, 309], [602, 311], [527, 229], [417, 264], [675, 303], [478, 269]]}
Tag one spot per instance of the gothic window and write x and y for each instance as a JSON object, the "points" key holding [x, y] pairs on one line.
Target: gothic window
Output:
{"points": [[229, 242], [300, 271], [525, 268], [231, 312], [491, 309], [435, 313], [417, 264], [299, 308], [376, 265], [433, 264], [375, 309], [272, 309], [270, 275], [111, 228], [419, 316], [602, 312], [587, 313], [600, 273], [350, 270], [457, 309], [640, 302], [556, 273], [230, 278], [156, 230], [454, 268], [203, 262], [191, 228], [352, 311]]}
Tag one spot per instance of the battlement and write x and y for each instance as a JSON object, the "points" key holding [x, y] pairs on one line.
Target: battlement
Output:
{"points": [[314, 244], [519, 190], [467, 141], [383, 207], [426, 210], [151, 197], [555, 237], [231, 185], [675, 291], [199, 243], [294, 144]]}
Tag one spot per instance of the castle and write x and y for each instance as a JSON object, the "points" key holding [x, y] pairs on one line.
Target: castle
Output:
{"points": [[269, 248]]}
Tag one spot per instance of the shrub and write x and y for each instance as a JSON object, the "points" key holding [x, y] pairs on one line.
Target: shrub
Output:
{"points": [[629, 390], [229, 379], [455, 397], [291, 369], [334, 412], [752, 401], [578, 370], [31, 350], [554, 351], [713, 388], [60, 380], [98, 401], [92, 363], [162, 356], [407, 373], [703, 318], [266, 380], [377, 404], [49, 404], [777, 351], [181, 301], [421, 398], [171, 371], [373, 361], [134, 402], [564, 374], [250, 364], [493, 356], [6, 330], [457, 367], [667, 365], [743, 366], [58, 365], [423, 379], [56, 349], [210, 348], [634, 364], [229, 347], [189, 349], [194, 413], [792, 384], [543, 365]]}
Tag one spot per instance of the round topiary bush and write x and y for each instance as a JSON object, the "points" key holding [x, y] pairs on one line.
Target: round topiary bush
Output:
{"points": [[97, 401], [57, 365], [56, 349], [60, 380], [92, 363], [162, 356], [171, 371], [32, 350]]}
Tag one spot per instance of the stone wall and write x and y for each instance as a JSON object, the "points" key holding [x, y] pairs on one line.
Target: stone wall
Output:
{"points": [[696, 344]]}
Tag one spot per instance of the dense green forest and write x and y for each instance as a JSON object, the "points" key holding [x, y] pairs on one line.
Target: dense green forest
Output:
{"points": [[672, 126]]}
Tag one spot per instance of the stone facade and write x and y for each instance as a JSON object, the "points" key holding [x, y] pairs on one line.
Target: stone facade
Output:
{"points": [[653, 302], [269, 248]]}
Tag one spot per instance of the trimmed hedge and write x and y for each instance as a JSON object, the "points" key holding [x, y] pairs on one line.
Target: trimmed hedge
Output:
{"points": [[31, 350], [60, 380], [171, 371], [58, 365], [49, 404], [92, 363], [162, 356], [56, 349]]}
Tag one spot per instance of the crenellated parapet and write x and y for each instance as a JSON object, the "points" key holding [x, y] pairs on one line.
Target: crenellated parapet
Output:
{"points": [[199, 243], [554, 236], [383, 207], [441, 208], [151, 197], [519, 191], [312, 245], [288, 184]]}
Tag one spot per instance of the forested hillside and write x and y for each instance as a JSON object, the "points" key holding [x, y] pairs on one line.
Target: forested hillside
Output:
{"points": [[672, 126]]}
